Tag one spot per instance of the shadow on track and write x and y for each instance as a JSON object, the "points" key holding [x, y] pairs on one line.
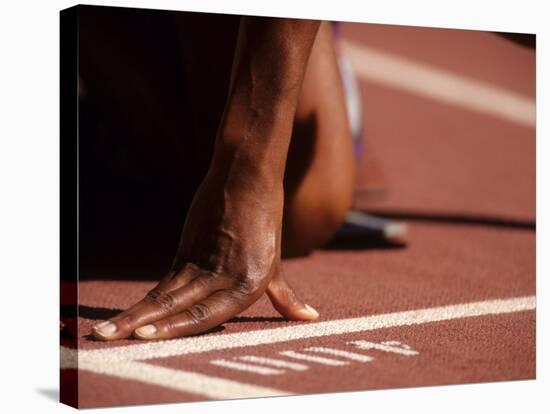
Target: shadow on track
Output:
{"points": [[459, 219], [88, 312], [245, 319]]}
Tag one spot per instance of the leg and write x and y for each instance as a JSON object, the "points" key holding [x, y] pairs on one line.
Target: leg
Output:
{"points": [[320, 173]]}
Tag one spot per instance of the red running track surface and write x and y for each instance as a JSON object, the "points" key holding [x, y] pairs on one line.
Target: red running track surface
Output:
{"points": [[464, 182]]}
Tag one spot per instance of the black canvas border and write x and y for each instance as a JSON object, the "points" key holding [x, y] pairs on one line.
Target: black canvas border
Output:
{"points": [[69, 182]]}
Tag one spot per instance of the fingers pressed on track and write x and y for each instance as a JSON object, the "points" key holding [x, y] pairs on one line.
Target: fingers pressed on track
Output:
{"points": [[287, 303], [198, 318], [158, 304]]}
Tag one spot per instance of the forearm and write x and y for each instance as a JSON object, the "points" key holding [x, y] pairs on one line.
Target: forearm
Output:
{"points": [[268, 69]]}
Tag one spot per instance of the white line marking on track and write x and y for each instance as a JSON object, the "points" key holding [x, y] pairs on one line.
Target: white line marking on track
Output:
{"points": [[68, 358], [120, 361], [312, 358], [440, 84], [186, 346], [279, 363], [344, 354], [190, 382], [239, 366], [396, 348], [396, 343]]}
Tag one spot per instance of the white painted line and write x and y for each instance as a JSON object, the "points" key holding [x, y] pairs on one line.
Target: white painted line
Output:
{"points": [[189, 382], [199, 344], [311, 358], [68, 358], [279, 363], [246, 367], [344, 354], [403, 350], [396, 343], [442, 85]]}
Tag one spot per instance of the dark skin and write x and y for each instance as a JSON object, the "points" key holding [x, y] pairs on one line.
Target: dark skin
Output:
{"points": [[230, 248], [281, 176]]}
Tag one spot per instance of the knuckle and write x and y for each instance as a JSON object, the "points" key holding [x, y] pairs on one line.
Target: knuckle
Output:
{"points": [[202, 282], [127, 320], [212, 279], [199, 312], [247, 286], [168, 325], [238, 294], [164, 300]]}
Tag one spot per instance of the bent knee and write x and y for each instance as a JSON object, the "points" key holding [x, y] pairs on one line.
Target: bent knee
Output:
{"points": [[311, 221]]}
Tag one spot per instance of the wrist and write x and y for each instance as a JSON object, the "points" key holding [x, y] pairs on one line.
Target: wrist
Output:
{"points": [[246, 168], [257, 142]]}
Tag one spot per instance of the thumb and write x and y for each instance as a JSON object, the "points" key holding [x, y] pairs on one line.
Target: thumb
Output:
{"points": [[286, 302]]}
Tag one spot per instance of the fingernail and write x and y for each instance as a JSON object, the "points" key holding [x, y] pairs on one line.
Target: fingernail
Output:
{"points": [[312, 310], [99, 325], [146, 330], [106, 328]]}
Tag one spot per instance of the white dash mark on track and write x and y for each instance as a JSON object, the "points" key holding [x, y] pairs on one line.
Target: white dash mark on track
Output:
{"points": [[246, 367], [279, 363], [312, 358], [344, 354], [388, 346], [191, 382], [396, 343]]}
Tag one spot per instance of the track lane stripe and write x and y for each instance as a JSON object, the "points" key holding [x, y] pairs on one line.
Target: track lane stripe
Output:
{"points": [[383, 347], [200, 344], [279, 363], [189, 382], [343, 354], [246, 367], [312, 358], [439, 84]]}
